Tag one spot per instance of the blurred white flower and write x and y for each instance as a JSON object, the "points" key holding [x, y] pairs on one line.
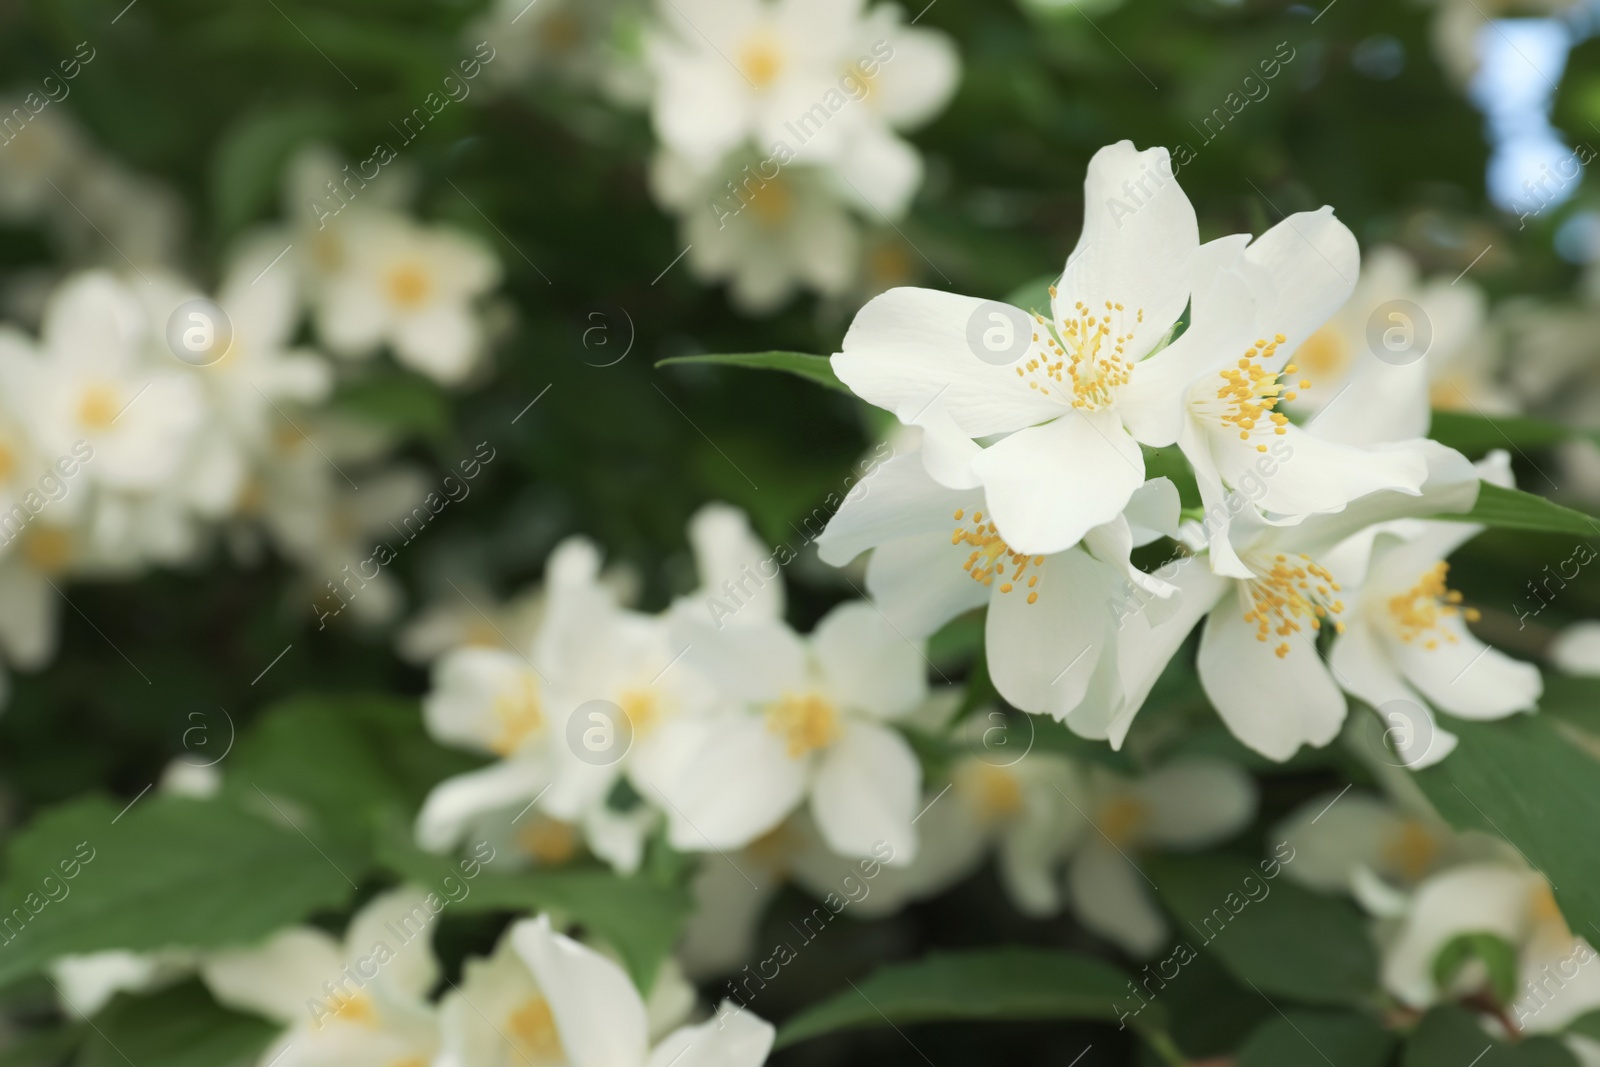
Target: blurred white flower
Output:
{"points": [[359, 1001], [412, 287]]}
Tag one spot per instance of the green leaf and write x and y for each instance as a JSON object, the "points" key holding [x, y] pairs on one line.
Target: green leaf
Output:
{"points": [[1572, 699], [178, 1027], [638, 917], [816, 369], [1287, 941], [1317, 1038], [1521, 779], [1449, 1036], [1034, 296], [1495, 952], [1512, 509], [1476, 434], [406, 404], [249, 158], [167, 871], [989, 984]]}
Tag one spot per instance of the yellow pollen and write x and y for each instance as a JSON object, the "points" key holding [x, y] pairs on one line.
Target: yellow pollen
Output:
{"points": [[550, 841], [1122, 819], [408, 285], [761, 61], [991, 556], [48, 549], [1421, 610], [1542, 907], [643, 709], [520, 713], [1086, 352], [358, 1009], [806, 722], [1284, 597], [1249, 392], [773, 203], [1411, 850], [994, 791], [97, 408], [532, 1027]]}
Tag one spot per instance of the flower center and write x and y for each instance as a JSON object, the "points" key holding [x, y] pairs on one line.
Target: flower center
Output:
{"points": [[1324, 355], [761, 61], [991, 555], [773, 203], [520, 715], [1292, 590], [358, 1009], [994, 791], [97, 407], [1092, 351], [1122, 819], [1250, 392], [48, 549], [643, 709], [550, 841], [408, 285], [1411, 850], [806, 722], [532, 1027], [1421, 610]]}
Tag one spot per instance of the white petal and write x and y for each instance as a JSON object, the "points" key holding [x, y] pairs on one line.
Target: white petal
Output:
{"points": [[1139, 232], [866, 792], [880, 169], [735, 1037], [276, 978], [1472, 899], [1312, 262], [455, 802], [598, 1013], [1150, 632], [867, 663], [909, 347], [1109, 897], [410, 973], [898, 500], [1274, 704], [1042, 655], [1193, 803], [918, 583], [1466, 677], [1049, 485], [759, 660], [725, 550], [1576, 649]]}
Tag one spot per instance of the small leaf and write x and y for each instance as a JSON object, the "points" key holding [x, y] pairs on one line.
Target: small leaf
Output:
{"points": [[1317, 1038], [249, 159], [403, 403], [1286, 940], [177, 1027], [1494, 951], [990, 984], [1476, 434], [1512, 509], [1034, 296], [816, 369]]}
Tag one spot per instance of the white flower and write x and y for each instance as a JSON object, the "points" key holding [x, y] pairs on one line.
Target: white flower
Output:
{"points": [[1437, 353], [818, 83], [777, 235], [1252, 306], [1405, 639], [1557, 978], [1341, 840], [805, 717], [86, 983], [562, 40], [362, 1001], [48, 149], [1576, 649], [1049, 631], [544, 998], [412, 287], [1077, 402]]}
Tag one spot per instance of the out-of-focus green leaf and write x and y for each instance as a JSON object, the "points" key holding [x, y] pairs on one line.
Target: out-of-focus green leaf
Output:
{"points": [[1512, 509], [638, 917], [247, 163], [1449, 1036], [167, 871], [1317, 1038], [1572, 699], [1521, 779], [1476, 434], [405, 404], [1495, 953], [177, 1027], [1286, 940], [1033, 296], [992, 984], [816, 369]]}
